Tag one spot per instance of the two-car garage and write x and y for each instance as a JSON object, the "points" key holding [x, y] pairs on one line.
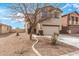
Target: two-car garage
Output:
{"points": [[50, 29]]}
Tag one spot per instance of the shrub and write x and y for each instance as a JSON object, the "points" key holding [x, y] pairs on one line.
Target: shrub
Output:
{"points": [[17, 34], [54, 38]]}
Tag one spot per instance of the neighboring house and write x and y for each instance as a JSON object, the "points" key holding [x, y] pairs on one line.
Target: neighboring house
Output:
{"points": [[50, 25], [4, 28], [70, 23]]}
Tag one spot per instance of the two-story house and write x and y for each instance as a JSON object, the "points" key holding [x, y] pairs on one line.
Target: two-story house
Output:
{"points": [[70, 23], [50, 25]]}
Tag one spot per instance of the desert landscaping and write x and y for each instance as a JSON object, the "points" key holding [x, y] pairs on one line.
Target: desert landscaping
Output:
{"points": [[13, 45], [38, 29]]}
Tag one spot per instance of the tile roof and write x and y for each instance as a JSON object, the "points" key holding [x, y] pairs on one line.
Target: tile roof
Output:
{"points": [[70, 13]]}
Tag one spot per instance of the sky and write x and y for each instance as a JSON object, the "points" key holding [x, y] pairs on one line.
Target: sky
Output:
{"points": [[4, 11]]}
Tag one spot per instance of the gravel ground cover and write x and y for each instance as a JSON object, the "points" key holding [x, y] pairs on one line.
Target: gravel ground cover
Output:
{"points": [[45, 48], [13, 45]]}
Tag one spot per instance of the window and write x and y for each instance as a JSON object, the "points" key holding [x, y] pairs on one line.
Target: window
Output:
{"points": [[56, 15], [44, 14], [76, 20], [72, 17]]}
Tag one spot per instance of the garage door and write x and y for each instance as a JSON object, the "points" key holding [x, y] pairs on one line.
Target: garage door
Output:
{"points": [[49, 30]]}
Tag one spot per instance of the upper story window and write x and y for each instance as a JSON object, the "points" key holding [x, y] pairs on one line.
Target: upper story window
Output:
{"points": [[76, 20], [56, 14], [44, 14], [72, 17], [53, 14]]}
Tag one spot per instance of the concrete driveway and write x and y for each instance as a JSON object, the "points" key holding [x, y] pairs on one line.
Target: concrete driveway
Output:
{"points": [[71, 40]]}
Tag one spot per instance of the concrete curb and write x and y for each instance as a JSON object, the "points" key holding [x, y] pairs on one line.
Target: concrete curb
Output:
{"points": [[33, 48]]}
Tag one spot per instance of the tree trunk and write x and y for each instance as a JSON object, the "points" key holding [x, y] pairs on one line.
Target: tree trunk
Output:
{"points": [[31, 33], [30, 36]]}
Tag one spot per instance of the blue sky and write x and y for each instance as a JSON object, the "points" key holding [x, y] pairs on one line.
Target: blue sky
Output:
{"points": [[65, 7]]}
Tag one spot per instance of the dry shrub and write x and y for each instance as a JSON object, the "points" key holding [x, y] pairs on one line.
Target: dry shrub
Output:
{"points": [[54, 38]]}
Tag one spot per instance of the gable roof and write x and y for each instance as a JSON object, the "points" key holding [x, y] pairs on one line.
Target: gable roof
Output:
{"points": [[50, 8], [70, 13], [42, 9]]}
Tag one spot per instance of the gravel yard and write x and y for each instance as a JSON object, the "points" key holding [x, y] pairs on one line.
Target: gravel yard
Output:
{"points": [[45, 48], [14, 46]]}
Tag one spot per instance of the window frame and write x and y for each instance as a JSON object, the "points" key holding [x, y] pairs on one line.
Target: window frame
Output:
{"points": [[72, 18], [76, 20]]}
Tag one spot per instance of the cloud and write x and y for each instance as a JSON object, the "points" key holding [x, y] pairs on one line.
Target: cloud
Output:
{"points": [[2, 10], [4, 18], [65, 6], [75, 5]]}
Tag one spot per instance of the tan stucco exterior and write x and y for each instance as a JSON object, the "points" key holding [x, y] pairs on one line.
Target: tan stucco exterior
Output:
{"points": [[4, 28], [64, 21], [52, 25]]}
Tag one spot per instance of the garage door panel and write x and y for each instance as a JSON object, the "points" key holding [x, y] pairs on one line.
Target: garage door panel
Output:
{"points": [[49, 30]]}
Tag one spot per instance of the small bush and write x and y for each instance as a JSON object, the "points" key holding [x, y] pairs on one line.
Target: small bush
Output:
{"points": [[17, 34], [54, 38], [20, 51]]}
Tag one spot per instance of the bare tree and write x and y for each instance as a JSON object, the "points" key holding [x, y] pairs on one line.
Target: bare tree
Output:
{"points": [[25, 9]]}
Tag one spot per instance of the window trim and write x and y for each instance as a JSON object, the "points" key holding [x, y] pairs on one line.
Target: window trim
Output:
{"points": [[76, 20]]}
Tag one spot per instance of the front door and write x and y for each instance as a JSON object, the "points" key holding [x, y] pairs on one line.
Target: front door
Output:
{"points": [[29, 30]]}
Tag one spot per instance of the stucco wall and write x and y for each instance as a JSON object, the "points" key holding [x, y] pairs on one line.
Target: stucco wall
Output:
{"points": [[74, 15], [50, 30], [4, 29], [64, 21], [51, 26], [74, 29]]}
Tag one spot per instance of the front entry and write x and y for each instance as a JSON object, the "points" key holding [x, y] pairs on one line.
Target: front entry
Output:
{"points": [[29, 30]]}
